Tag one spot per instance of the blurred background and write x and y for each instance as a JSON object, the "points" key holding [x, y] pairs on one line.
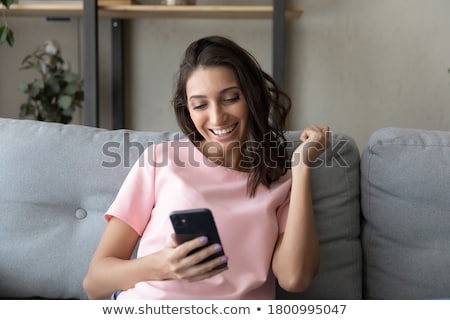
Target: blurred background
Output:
{"points": [[356, 65]]}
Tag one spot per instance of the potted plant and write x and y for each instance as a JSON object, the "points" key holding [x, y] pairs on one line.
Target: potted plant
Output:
{"points": [[56, 94], [6, 34]]}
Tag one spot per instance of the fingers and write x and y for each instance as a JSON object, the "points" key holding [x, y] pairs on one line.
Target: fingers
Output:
{"points": [[314, 132], [186, 260], [182, 250], [206, 270], [208, 274], [315, 140]]}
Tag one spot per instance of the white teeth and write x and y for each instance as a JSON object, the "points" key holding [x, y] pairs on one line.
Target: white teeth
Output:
{"points": [[223, 131]]}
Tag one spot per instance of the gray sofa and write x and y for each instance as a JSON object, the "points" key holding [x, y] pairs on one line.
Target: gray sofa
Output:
{"points": [[383, 216]]}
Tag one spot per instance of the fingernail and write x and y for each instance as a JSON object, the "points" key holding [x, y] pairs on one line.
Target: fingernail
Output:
{"points": [[224, 259], [217, 247], [203, 240]]}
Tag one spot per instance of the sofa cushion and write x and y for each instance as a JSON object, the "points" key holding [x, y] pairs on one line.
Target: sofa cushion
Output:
{"points": [[335, 192], [56, 181], [405, 181]]}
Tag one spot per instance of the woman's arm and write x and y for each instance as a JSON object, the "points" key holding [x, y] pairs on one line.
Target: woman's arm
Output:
{"points": [[296, 256], [111, 268]]}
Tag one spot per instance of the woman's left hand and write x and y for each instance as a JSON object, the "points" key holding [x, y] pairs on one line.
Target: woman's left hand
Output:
{"points": [[314, 141]]}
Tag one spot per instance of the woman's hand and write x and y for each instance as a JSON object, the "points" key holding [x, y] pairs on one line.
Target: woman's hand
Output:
{"points": [[184, 266], [314, 141], [111, 268]]}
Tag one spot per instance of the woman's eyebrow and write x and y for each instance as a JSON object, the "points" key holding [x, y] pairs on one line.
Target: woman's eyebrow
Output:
{"points": [[230, 88], [201, 96], [197, 96]]}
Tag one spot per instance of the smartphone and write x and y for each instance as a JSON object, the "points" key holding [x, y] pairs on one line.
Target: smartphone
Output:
{"points": [[193, 223]]}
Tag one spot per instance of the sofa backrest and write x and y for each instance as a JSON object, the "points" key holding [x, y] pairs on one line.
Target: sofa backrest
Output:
{"points": [[56, 181], [405, 184]]}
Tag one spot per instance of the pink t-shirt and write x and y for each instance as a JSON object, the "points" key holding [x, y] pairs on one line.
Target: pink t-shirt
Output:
{"points": [[176, 175]]}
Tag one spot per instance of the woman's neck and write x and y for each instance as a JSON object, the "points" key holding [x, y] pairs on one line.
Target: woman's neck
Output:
{"points": [[229, 157]]}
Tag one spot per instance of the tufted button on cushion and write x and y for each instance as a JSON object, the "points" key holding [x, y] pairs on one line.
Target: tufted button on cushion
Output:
{"points": [[80, 213], [34, 202]]}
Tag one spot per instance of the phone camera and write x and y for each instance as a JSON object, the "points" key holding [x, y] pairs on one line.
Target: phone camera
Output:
{"points": [[180, 220]]}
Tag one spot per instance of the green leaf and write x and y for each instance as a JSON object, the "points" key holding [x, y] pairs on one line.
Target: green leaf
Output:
{"points": [[35, 88], [69, 111], [23, 87], [26, 109], [54, 85], [7, 3], [39, 83], [3, 34], [29, 65], [71, 89], [71, 77], [65, 102], [6, 35], [10, 37], [27, 57]]}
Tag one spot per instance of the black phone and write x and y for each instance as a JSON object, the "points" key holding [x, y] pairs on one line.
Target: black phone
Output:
{"points": [[193, 223]]}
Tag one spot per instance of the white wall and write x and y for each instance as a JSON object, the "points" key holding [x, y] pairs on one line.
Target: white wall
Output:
{"points": [[356, 65], [158, 46], [364, 64]]}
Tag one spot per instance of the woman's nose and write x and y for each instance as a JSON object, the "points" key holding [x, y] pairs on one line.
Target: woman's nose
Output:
{"points": [[216, 115]]}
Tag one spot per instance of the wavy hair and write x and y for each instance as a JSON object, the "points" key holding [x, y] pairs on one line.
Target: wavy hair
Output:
{"points": [[263, 151]]}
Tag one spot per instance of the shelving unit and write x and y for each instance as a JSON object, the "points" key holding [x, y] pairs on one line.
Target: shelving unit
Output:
{"points": [[212, 11], [135, 11], [90, 11]]}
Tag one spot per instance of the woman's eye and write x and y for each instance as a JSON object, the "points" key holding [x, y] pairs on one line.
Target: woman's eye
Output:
{"points": [[232, 99], [198, 106]]}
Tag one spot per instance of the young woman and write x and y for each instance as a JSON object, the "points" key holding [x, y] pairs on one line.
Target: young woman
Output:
{"points": [[233, 162]]}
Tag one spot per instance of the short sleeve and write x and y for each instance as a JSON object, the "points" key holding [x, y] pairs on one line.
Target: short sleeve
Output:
{"points": [[136, 197]]}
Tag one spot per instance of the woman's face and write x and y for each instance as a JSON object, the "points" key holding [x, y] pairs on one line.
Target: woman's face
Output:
{"points": [[217, 106]]}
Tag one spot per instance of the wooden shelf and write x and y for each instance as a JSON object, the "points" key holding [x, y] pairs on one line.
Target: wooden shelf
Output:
{"points": [[226, 12], [154, 11], [42, 10]]}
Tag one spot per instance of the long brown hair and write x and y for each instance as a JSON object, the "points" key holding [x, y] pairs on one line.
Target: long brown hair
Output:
{"points": [[264, 149]]}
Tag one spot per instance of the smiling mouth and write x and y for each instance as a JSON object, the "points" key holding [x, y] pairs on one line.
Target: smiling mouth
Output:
{"points": [[225, 131]]}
